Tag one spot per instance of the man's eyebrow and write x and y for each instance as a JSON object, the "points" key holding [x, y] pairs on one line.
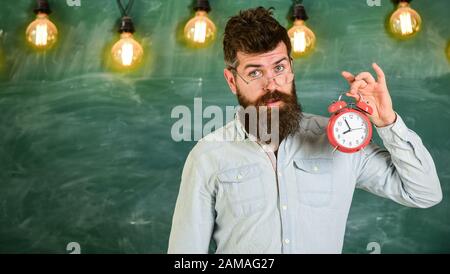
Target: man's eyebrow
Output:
{"points": [[281, 60], [252, 66], [259, 65]]}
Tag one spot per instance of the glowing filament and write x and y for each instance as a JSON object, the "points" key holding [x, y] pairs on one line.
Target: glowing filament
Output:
{"points": [[127, 54], [41, 35], [406, 23], [200, 31], [299, 41]]}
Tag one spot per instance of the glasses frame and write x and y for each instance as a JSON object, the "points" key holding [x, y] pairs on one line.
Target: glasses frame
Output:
{"points": [[233, 68]]}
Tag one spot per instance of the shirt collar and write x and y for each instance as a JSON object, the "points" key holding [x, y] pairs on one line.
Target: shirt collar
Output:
{"points": [[244, 135]]}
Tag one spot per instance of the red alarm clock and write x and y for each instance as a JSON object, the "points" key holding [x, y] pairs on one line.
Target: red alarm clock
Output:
{"points": [[349, 129]]}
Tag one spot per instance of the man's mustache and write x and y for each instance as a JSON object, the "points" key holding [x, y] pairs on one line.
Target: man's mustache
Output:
{"points": [[273, 96]]}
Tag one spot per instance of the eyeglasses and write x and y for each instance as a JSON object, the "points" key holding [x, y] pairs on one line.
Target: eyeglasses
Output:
{"points": [[260, 81]]}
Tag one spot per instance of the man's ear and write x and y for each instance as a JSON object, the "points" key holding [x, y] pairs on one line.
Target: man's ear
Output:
{"points": [[230, 80]]}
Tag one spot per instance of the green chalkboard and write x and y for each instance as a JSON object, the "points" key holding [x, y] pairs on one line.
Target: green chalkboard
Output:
{"points": [[86, 153]]}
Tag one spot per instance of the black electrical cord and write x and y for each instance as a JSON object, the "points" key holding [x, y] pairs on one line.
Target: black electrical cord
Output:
{"points": [[126, 24], [125, 10]]}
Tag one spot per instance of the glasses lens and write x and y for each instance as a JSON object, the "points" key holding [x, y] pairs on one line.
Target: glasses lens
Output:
{"points": [[280, 80], [284, 79]]}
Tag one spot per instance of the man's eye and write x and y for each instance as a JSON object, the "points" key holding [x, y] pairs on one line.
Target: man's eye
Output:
{"points": [[279, 68], [255, 74]]}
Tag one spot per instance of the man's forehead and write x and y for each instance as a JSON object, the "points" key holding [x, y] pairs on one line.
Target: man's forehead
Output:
{"points": [[263, 58]]}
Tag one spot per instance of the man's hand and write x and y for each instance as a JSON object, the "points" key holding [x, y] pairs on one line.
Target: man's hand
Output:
{"points": [[375, 93]]}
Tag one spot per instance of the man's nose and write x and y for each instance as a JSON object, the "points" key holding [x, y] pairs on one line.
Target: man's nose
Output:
{"points": [[270, 84]]}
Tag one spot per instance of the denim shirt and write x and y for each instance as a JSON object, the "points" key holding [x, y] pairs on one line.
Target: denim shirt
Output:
{"points": [[231, 192]]}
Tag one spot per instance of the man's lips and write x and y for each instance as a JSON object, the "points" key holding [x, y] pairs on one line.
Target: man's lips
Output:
{"points": [[273, 102]]}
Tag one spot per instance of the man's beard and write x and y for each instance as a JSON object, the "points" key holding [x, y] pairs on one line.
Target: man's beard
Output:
{"points": [[289, 114]]}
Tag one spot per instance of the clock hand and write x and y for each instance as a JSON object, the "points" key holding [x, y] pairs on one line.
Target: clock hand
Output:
{"points": [[345, 132], [349, 128]]}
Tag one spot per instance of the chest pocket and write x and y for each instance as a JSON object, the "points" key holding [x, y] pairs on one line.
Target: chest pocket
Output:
{"points": [[314, 181], [243, 189]]}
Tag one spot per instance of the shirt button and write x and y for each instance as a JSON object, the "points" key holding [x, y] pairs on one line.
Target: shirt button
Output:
{"points": [[316, 168], [279, 174], [239, 176], [284, 207], [286, 241]]}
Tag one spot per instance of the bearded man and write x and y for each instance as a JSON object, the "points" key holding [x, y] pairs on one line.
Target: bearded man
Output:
{"points": [[291, 192]]}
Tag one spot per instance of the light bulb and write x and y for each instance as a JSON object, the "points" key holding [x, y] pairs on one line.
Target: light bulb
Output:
{"points": [[302, 38], [1, 51], [448, 51], [200, 30], [405, 22], [42, 33], [127, 52]]}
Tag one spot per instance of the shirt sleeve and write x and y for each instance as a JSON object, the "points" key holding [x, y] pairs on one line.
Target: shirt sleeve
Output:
{"points": [[403, 172], [194, 214]]}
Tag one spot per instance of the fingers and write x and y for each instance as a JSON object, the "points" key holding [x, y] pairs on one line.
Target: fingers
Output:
{"points": [[366, 76], [348, 76], [379, 72], [357, 85], [356, 96]]}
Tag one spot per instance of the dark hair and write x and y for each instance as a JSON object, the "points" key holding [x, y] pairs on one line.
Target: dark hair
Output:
{"points": [[252, 31]]}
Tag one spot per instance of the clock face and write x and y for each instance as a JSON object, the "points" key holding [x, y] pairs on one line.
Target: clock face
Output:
{"points": [[350, 130]]}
